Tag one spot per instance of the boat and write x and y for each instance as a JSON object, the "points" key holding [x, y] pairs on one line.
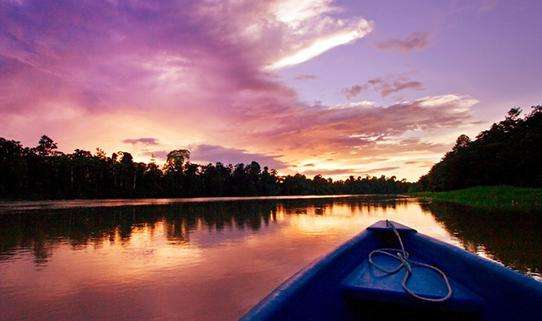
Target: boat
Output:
{"points": [[392, 272]]}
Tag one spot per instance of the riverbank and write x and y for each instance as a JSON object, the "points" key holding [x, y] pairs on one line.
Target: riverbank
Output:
{"points": [[496, 197]]}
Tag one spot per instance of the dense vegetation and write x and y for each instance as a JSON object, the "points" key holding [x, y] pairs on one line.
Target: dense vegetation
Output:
{"points": [[492, 197], [509, 153], [502, 236], [43, 172]]}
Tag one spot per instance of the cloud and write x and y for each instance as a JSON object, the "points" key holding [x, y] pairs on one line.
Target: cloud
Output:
{"points": [[308, 29], [414, 41], [215, 153], [108, 55], [348, 32], [352, 131], [356, 104], [454, 102], [386, 88], [305, 77], [353, 91], [143, 141], [383, 86], [198, 73], [157, 154], [380, 170], [348, 171]]}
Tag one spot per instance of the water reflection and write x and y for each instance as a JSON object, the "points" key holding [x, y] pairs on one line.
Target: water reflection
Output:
{"points": [[40, 230], [512, 238], [204, 260]]}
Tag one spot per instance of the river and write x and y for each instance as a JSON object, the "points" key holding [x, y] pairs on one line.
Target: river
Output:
{"points": [[210, 258]]}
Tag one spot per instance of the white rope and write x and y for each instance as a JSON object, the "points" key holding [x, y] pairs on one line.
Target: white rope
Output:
{"points": [[403, 257]]}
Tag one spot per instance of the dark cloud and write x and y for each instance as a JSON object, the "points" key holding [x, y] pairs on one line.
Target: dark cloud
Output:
{"points": [[386, 87], [416, 40], [143, 141], [383, 86], [354, 91]]}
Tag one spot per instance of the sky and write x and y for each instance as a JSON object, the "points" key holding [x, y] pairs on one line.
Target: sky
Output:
{"points": [[310, 86]]}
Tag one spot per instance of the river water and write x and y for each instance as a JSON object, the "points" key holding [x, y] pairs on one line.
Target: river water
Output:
{"points": [[210, 258]]}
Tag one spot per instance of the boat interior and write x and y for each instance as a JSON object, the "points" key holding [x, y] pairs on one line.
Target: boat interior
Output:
{"points": [[419, 278]]}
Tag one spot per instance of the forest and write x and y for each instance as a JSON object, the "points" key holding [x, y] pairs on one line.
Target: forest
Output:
{"points": [[508, 153], [43, 172]]}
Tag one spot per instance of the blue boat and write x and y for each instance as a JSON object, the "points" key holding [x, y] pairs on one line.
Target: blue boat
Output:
{"points": [[391, 272]]}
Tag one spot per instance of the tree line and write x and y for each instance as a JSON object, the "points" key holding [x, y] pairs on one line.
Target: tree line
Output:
{"points": [[509, 153], [43, 172]]}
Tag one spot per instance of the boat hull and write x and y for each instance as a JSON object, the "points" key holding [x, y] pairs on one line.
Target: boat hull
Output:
{"points": [[330, 289]]}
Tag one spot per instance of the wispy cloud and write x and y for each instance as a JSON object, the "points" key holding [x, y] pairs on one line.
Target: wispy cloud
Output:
{"points": [[202, 73], [315, 47], [381, 170], [305, 77], [332, 172], [215, 153], [157, 154], [349, 171], [308, 28], [414, 41], [354, 90], [383, 86], [143, 141], [352, 131]]}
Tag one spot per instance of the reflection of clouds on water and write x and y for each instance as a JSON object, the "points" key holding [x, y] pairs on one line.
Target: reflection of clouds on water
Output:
{"points": [[175, 261], [345, 218]]}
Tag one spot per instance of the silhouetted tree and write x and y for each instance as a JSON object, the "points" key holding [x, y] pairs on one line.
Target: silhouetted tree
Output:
{"points": [[46, 146], [175, 160], [507, 153], [44, 172]]}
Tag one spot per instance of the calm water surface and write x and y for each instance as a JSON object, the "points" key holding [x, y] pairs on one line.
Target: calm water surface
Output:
{"points": [[209, 259]]}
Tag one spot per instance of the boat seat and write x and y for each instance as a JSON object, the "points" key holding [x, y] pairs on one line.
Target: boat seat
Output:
{"points": [[367, 283]]}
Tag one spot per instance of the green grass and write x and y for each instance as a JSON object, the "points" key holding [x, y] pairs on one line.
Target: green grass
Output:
{"points": [[494, 197]]}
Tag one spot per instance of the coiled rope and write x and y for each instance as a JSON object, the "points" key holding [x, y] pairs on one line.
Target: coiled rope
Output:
{"points": [[405, 262]]}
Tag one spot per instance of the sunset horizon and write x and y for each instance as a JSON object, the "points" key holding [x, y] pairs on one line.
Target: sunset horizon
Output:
{"points": [[336, 88], [270, 160]]}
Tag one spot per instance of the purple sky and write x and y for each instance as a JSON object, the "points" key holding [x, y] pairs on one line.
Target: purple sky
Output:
{"points": [[331, 87]]}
